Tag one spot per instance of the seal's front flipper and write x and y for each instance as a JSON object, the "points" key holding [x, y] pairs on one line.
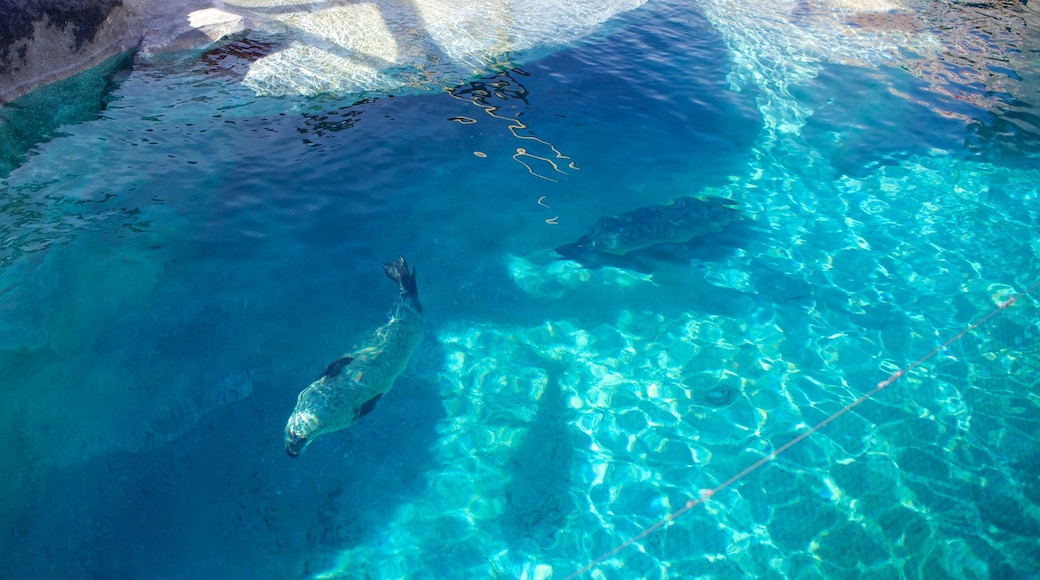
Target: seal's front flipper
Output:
{"points": [[368, 405], [335, 367], [398, 272]]}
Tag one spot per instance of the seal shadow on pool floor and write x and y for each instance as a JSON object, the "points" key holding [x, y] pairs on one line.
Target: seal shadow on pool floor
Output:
{"points": [[537, 497]]}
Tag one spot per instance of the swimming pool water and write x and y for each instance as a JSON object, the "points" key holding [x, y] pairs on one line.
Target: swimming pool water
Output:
{"points": [[175, 269]]}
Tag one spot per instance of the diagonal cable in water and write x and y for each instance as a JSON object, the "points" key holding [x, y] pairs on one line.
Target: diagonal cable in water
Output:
{"points": [[706, 494]]}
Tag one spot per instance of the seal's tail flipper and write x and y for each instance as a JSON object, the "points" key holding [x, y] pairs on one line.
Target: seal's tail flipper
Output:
{"points": [[398, 272]]}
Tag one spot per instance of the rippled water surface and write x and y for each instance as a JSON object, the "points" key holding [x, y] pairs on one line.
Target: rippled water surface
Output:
{"points": [[180, 256]]}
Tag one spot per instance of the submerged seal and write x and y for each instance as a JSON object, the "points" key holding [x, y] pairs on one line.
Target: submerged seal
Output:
{"points": [[681, 221], [351, 385]]}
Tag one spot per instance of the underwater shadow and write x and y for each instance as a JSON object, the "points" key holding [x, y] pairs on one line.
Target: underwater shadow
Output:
{"points": [[223, 500], [537, 497]]}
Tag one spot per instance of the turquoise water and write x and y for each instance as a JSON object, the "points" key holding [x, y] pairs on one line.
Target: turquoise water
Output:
{"points": [[179, 265]]}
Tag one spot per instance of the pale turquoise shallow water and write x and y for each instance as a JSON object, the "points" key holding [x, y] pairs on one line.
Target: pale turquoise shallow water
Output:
{"points": [[178, 266]]}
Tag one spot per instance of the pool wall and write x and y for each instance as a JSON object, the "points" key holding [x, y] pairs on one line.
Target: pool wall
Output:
{"points": [[42, 42]]}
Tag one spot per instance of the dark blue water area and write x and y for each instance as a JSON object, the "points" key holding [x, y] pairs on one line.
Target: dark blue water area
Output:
{"points": [[865, 117], [178, 270], [174, 272]]}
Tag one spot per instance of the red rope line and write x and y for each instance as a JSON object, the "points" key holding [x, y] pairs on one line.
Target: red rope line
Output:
{"points": [[707, 493]]}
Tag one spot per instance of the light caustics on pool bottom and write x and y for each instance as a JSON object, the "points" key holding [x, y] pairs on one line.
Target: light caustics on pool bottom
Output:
{"points": [[565, 439], [601, 401]]}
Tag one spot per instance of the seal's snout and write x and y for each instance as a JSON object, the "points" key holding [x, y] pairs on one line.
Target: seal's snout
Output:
{"points": [[294, 445], [296, 436]]}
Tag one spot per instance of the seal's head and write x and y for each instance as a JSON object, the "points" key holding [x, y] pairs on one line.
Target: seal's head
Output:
{"points": [[298, 433]]}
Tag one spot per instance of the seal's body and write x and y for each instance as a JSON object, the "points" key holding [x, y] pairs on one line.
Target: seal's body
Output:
{"points": [[681, 221], [351, 385]]}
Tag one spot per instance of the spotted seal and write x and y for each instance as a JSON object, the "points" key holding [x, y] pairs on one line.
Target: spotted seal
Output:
{"points": [[678, 222], [351, 385]]}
